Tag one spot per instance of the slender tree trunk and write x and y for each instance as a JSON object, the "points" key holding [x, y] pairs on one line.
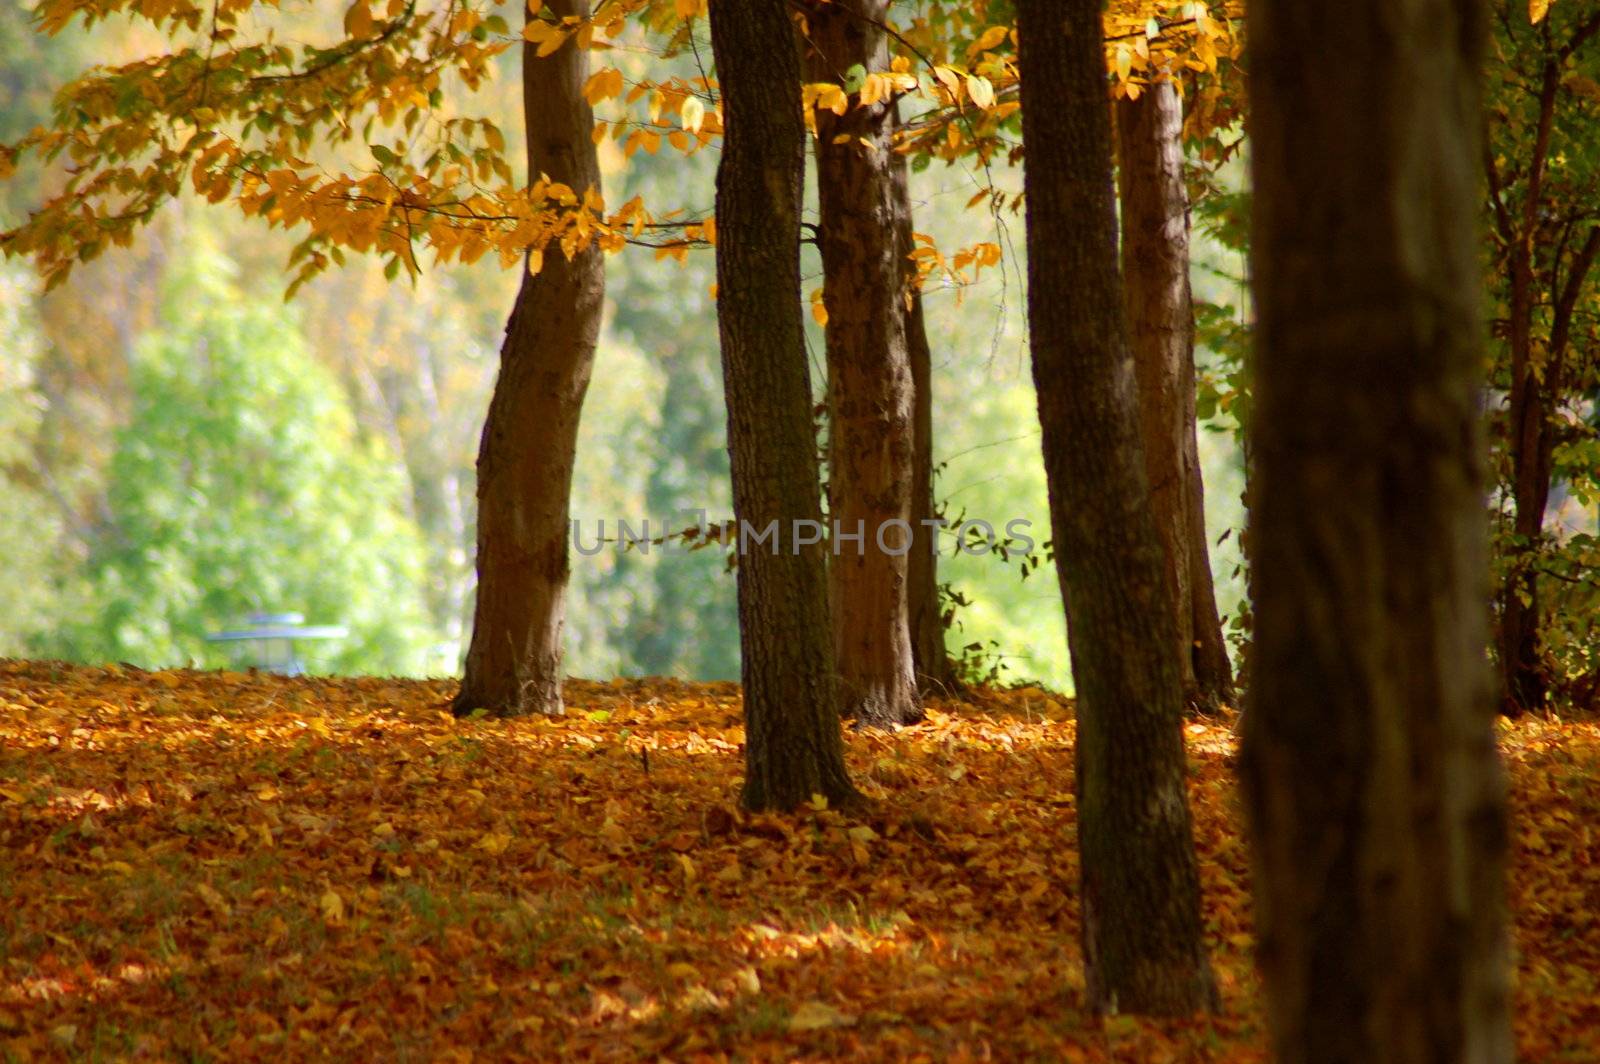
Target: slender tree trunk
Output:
{"points": [[1155, 279], [929, 657], [1213, 671], [1523, 681], [1142, 944], [793, 748], [1369, 766], [870, 386], [1155, 287], [529, 443], [1524, 685]]}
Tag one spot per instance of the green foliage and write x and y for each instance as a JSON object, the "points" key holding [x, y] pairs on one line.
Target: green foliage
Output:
{"points": [[1543, 103], [29, 520], [240, 484]]}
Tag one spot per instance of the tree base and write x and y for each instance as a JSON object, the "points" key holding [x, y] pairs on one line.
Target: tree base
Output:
{"points": [[468, 701]]}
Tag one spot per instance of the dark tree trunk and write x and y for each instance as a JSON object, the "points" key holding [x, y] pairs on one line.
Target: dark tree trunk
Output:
{"points": [[529, 442], [870, 388], [929, 657], [1155, 279], [1369, 766], [1524, 684], [1142, 944], [1213, 671], [793, 748]]}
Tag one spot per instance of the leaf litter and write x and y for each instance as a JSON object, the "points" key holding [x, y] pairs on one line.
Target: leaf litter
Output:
{"points": [[235, 866]]}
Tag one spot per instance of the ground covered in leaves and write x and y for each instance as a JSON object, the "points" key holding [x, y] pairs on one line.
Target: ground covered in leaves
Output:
{"points": [[219, 866]]}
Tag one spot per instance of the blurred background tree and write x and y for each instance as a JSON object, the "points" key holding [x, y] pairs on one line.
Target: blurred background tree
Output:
{"points": [[240, 483]]}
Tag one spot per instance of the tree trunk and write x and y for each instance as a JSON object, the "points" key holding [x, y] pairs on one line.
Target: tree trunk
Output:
{"points": [[792, 744], [1524, 685], [529, 443], [1140, 889], [1213, 672], [1155, 287], [870, 388], [928, 655], [1369, 767], [1155, 278]]}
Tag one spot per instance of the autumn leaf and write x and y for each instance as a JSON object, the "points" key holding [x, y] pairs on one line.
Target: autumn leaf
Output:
{"points": [[981, 90], [817, 1016], [332, 906]]}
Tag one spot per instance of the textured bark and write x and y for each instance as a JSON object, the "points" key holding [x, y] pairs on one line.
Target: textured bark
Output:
{"points": [[1213, 671], [870, 388], [1155, 279], [529, 442], [928, 655], [1140, 890], [793, 748], [1369, 767], [1524, 684]]}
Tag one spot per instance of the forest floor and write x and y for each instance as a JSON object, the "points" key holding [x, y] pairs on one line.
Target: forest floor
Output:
{"points": [[219, 866]]}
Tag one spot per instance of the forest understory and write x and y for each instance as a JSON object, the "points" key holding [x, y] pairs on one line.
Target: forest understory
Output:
{"points": [[232, 866]]}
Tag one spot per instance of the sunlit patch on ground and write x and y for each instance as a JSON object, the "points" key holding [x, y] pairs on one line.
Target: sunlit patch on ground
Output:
{"points": [[226, 866]]}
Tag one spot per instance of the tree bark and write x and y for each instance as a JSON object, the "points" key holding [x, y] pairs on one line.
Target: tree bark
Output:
{"points": [[1140, 890], [793, 748], [1155, 279], [529, 443], [1369, 767], [870, 387], [1524, 684], [930, 660]]}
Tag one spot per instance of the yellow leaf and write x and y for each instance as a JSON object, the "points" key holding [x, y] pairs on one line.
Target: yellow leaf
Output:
{"points": [[981, 90], [358, 20], [991, 37], [551, 43], [214, 900], [332, 906], [817, 1016], [875, 88], [692, 113], [535, 262], [494, 843], [598, 87], [1537, 10], [614, 834], [832, 98]]}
